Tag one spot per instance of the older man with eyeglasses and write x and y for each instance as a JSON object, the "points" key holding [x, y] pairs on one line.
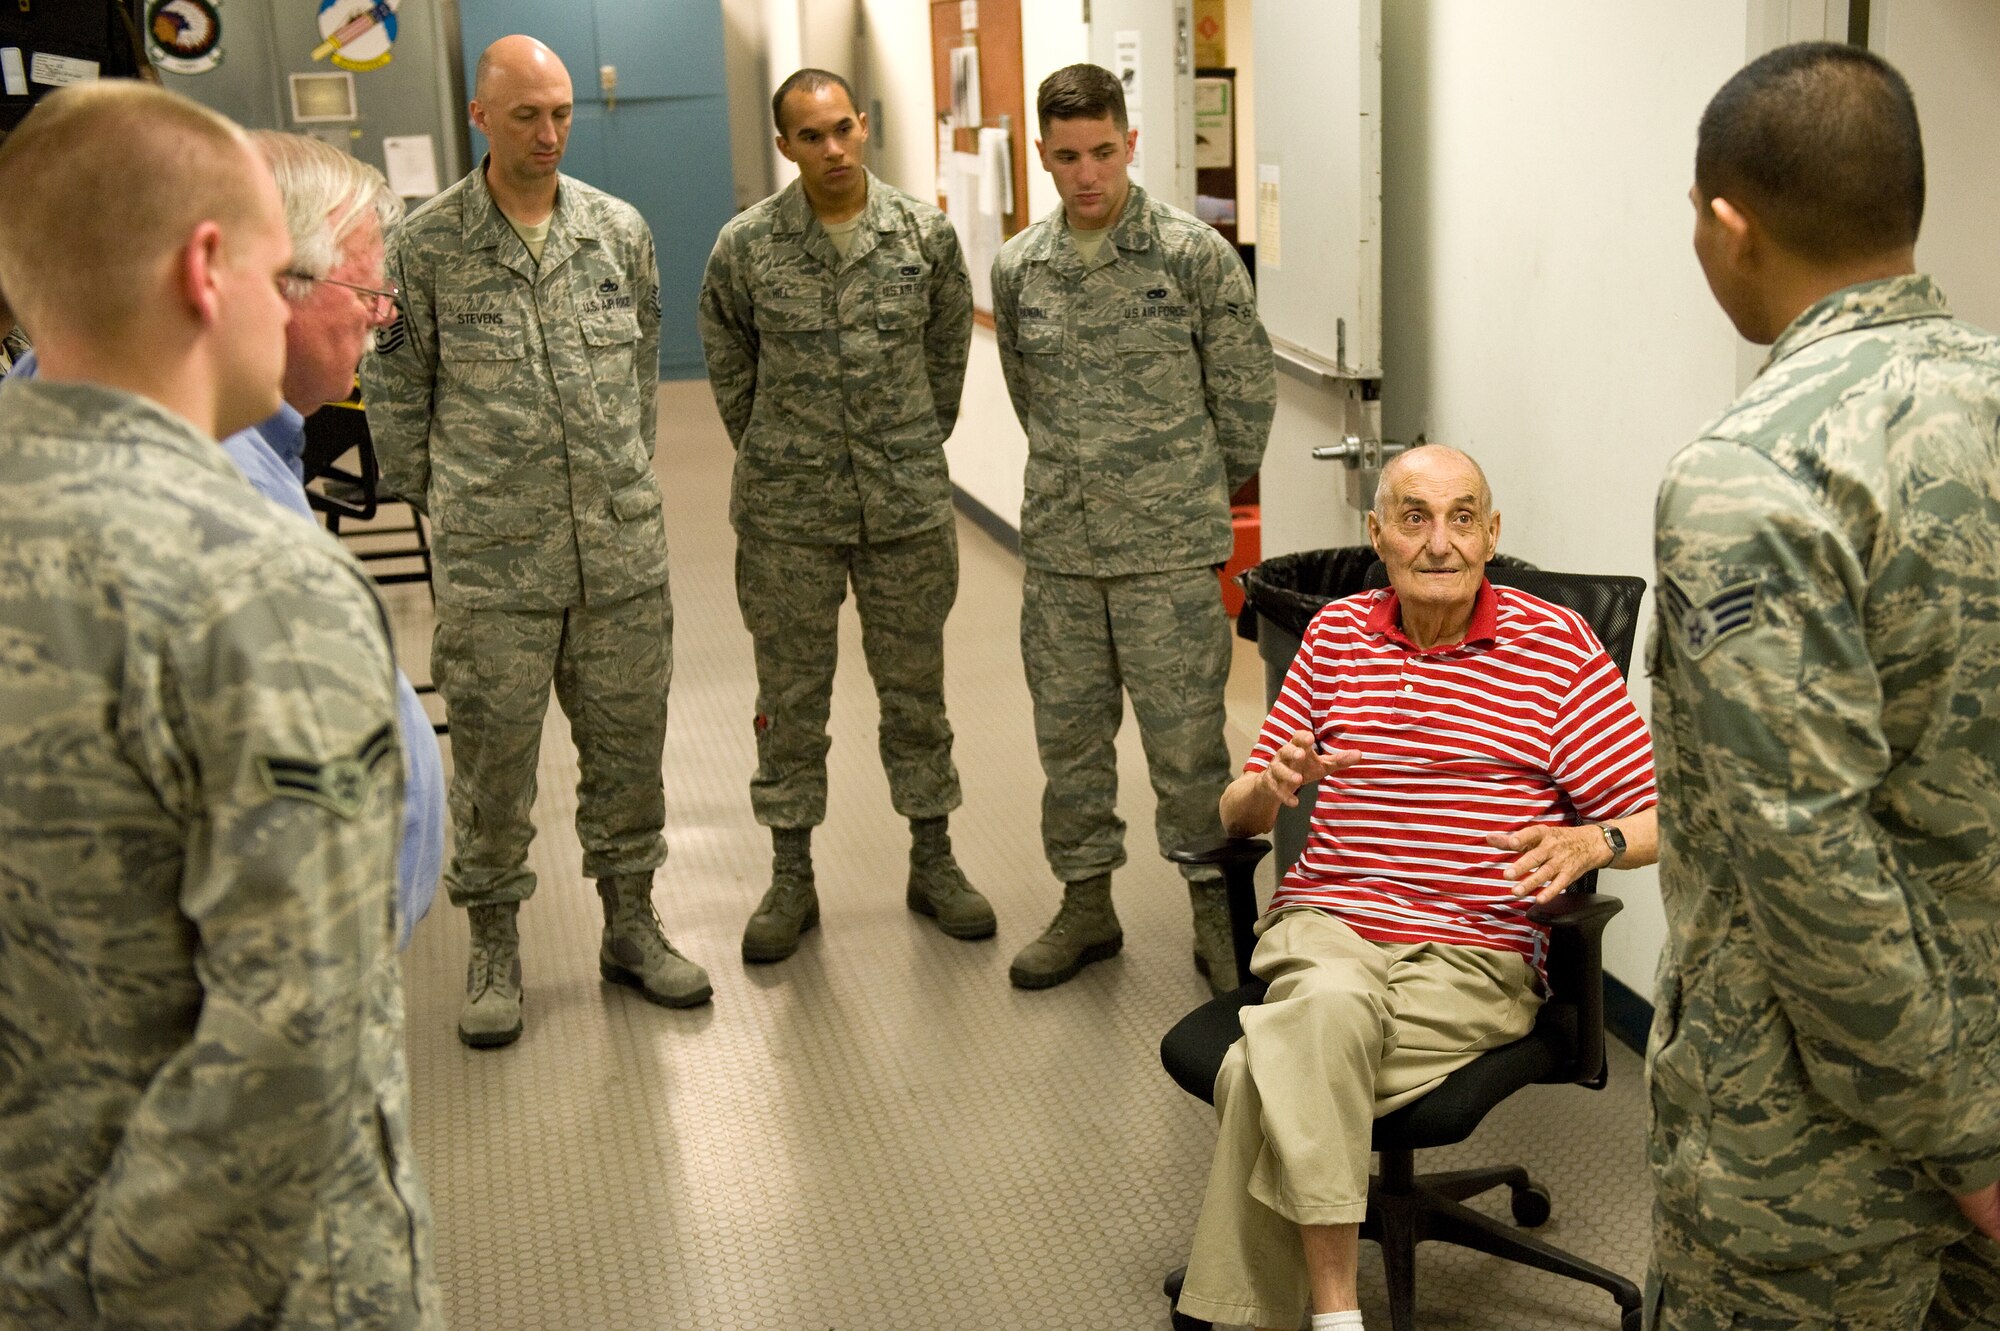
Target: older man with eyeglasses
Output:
{"points": [[337, 211]]}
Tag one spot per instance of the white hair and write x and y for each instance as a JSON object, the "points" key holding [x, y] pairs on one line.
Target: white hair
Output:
{"points": [[326, 194], [1394, 467]]}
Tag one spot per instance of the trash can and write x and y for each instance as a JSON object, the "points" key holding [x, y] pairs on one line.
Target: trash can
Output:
{"points": [[1282, 595]]}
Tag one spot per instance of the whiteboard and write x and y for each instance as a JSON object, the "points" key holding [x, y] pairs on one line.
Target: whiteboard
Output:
{"points": [[1318, 178]]}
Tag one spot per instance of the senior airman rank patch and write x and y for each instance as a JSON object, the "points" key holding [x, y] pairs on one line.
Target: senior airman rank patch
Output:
{"points": [[1698, 628], [340, 785]]}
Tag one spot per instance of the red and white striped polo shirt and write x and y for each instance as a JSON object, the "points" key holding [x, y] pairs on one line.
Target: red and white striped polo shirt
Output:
{"points": [[1525, 720]]}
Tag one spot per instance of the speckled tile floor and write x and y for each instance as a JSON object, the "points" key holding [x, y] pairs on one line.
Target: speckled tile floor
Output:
{"points": [[879, 1133]]}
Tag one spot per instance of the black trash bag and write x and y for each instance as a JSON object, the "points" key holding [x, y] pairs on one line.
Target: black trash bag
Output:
{"points": [[1290, 589]]}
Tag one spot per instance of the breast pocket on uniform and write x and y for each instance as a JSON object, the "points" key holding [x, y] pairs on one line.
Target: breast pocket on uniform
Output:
{"points": [[610, 328], [792, 316], [1154, 336], [481, 342], [1039, 338], [908, 312]]}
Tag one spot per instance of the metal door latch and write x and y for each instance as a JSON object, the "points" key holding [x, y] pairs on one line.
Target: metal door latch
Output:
{"points": [[1360, 454]]}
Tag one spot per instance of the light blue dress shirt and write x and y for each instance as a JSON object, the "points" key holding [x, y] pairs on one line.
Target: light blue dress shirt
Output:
{"points": [[269, 456]]}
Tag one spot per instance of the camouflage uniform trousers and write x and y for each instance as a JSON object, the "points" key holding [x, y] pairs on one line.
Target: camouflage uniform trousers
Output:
{"points": [[1934, 1283], [1162, 638], [790, 594], [610, 666]]}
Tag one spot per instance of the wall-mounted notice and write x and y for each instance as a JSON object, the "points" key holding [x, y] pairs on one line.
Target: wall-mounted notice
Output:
{"points": [[412, 165], [59, 71], [965, 87], [1270, 253], [1125, 64]]}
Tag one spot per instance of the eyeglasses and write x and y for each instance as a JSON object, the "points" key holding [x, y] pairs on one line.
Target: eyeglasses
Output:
{"points": [[297, 283]]}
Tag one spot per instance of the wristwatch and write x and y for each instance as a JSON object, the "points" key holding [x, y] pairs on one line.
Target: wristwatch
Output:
{"points": [[1614, 839]]}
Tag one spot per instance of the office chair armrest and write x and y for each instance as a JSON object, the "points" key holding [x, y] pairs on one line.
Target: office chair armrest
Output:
{"points": [[1577, 910], [1576, 970], [1221, 851], [1238, 858]]}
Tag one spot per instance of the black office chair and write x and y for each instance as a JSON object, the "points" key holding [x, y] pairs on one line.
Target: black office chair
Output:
{"points": [[334, 433], [1567, 1044]]}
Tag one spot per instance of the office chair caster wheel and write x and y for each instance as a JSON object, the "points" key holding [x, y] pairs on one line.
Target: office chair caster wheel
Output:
{"points": [[1182, 1322], [1632, 1320], [1531, 1206]]}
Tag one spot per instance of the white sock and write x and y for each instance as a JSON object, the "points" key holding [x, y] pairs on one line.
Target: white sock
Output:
{"points": [[1346, 1320]]}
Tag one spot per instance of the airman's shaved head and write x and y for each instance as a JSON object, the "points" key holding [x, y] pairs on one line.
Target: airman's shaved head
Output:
{"points": [[103, 181], [513, 58]]}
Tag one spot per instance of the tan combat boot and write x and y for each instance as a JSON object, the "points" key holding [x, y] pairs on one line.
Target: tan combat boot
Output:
{"points": [[1084, 930], [1214, 948], [636, 952], [790, 906], [491, 1016], [938, 887]]}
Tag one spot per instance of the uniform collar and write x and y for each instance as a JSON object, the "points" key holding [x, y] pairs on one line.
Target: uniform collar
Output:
{"points": [[1888, 300], [1132, 231], [792, 215], [1385, 619], [486, 227], [105, 415]]}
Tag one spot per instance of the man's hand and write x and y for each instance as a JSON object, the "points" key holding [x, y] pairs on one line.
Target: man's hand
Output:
{"points": [[1300, 763], [1551, 857], [1982, 1208], [1250, 802]]}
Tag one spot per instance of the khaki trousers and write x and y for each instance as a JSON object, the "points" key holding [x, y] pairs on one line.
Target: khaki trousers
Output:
{"points": [[1348, 1031]]}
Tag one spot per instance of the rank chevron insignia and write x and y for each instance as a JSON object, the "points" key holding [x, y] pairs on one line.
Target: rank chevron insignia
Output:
{"points": [[340, 784], [1698, 628], [392, 337]]}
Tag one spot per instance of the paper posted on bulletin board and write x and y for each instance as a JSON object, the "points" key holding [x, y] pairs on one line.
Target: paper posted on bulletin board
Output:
{"points": [[1270, 253]]}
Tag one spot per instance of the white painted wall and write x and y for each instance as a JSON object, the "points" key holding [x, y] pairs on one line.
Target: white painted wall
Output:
{"points": [[1053, 34], [1541, 305], [1243, 58], [893, 71], [988, 452], [746, 73], [1949, 50]]}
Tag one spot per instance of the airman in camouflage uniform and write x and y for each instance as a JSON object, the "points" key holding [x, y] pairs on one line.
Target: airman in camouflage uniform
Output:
{"points": [[514, 402], [13, 342], [1825, 1058], [1146, 386], [836, 316], [204, 1110]]}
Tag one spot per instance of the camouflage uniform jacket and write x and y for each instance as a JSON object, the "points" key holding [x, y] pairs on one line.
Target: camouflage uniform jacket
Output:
{"points": [[515, 402], [13, 346], [838, 381], [1145, 383], [1825, 1059], [203, 1101]]}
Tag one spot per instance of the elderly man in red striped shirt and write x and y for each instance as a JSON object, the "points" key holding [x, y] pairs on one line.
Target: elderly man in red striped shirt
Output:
{"points": [[1477, 752]]}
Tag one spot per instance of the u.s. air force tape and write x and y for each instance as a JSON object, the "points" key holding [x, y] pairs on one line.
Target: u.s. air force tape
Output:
{"points": [[1697, 628], [339, 784]]}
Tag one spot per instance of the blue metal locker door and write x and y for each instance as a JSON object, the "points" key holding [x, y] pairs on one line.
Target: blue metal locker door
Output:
{"points": [[662, 145], [673, 156]]}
